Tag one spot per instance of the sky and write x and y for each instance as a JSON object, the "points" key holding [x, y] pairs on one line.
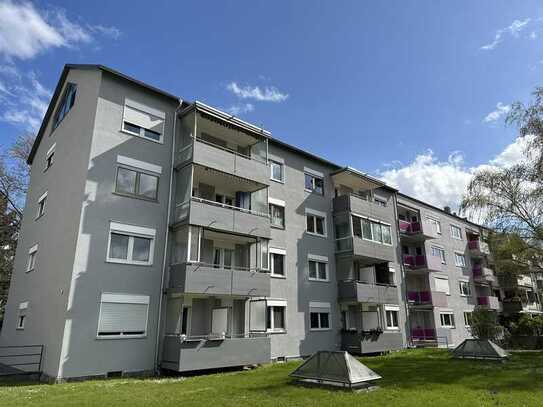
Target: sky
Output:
{"points": [[413, 92]]}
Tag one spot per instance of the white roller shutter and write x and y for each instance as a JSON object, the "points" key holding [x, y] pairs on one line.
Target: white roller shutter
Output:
{"points": [[257, 316], [123, 314], [442, 285], [144, 116]]}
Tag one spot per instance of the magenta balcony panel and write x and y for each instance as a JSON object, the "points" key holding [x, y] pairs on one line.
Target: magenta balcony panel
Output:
{"points": [[423, 334], [413, 296], [416, 227], [417, 333], [430, 333], [482, 301], [408, 260], [477, 270], [404, 226], [420, 260], [473, 245], [425, 296]]}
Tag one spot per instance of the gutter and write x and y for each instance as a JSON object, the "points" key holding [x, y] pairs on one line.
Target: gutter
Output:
{"points": [[166, 240]]}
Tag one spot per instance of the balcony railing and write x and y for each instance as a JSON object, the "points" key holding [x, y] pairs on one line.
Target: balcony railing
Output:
{"points": [[409, 228], [489, 302], [414, 262], [473, 245], [234, 208], [423, 334], [434, 298]]}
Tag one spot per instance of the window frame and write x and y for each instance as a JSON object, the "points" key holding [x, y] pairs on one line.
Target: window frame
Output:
{"points": [[468, 320], [275, 204], [279, 252], [450, 314], [282, 166], [31, 259], [121, 335], [436, 223], [49, 161], [316, 214], [458, 255], [131, 232], [314, 175], [42, 202], [463, 284], [138, 172], [436, 278], [270, 316], [456, 228], [442, 254], [318, 260], [22, 315], [131, 104], [319, 319], [397, 314], [61, 107]]}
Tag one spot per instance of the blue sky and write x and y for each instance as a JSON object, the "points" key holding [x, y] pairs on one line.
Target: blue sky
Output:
{"points": [[411, 91]]}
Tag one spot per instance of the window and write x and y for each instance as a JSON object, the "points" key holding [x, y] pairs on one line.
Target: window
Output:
{"points": [[265, 256], [316, 222], [314, 183], [447, 319], [32, 253], [391, 316], [136, 183], [319, 320], [223, 258], [435, 224], [371, 230], [459, 260], [465, 288], [275, 316], [380, 201], [277, 215], [41, 205], [277, 171], [456, 232], [277, 262], [50, 157], [21, 316], [123, 315], [468, 318], [442, 285], [439, 252], [130, 244], [318, 267], [143, 121], [66, 103]]}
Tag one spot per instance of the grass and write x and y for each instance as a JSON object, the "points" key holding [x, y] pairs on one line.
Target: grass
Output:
{"points": [[410, 378]]}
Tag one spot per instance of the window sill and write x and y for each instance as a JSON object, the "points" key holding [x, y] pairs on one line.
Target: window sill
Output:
{"points": [[277, 227], [276, 331], [392, 329], [318, 280], [117, 337], [29, 271], [320, 329], [278, 181], [310, 191], [39, 217], [279, 276], [141, 198], [161, 141], [316, 234], [128, 263]]}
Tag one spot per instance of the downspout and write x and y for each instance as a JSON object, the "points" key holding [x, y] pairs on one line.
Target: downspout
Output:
{"points": [[402, 271], [166, 237]]}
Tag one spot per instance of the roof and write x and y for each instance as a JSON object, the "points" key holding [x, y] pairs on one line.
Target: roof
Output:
{"points": [[479, 349]]}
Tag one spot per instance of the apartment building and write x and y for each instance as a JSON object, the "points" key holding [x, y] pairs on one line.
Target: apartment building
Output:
{"points": [[166, 234]]}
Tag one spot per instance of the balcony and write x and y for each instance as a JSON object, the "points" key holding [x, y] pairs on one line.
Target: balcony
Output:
{"points": [[227, 218], [184, 354], [415, 231], [427, 298], [366, 251], [200, 278], [489, 302], [368, 293], [423, 334], [483, 274], [478, 248], [417, 262], [361, 206], [361, 342]]}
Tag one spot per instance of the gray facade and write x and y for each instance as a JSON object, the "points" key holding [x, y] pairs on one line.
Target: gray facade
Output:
{"points": [[178, 237]]}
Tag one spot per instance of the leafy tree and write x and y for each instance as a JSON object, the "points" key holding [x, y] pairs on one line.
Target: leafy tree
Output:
{"points": [[484, 324], [14, 178], [510, 199]]}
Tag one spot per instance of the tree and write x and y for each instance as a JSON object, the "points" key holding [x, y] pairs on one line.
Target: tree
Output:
{"points": [[484, 324], [14, 178], [510, 200]]}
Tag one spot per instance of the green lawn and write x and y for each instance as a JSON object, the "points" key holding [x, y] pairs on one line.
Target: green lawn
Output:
{"points": [[422, 378]]}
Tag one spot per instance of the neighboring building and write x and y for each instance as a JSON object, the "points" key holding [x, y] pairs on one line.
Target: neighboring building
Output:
{"points": [[160, 233], [521, 294]]}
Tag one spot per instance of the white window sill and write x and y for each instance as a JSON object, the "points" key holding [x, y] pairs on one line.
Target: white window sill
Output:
{"points": [[126, 262], [116, 337], [392, 329], [278, 181], [276, 331], [319, 280], [39, 217], [316, 234], [320, 329], [161, 141], [279, 276], [277, 227]]}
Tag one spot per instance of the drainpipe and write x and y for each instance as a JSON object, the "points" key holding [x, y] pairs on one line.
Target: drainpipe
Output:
{"points": [[166, 237], [402, 270]]}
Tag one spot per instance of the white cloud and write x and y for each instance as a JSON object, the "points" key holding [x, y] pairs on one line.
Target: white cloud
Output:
{"points": [[24, 100], [266, 94], [514, 30], [26, 31], [240, 109], [442, 183], [496, 114]]}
